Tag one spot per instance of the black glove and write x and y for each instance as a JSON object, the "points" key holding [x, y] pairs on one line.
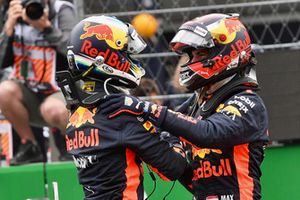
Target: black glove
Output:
{"points": [[116, 104]]}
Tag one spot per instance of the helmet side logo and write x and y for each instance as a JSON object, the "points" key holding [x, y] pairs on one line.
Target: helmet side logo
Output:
{"points": [[226, 31]]}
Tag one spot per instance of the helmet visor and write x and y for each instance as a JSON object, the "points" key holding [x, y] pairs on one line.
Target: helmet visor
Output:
{"points": [[135, 43], [185, 39]]}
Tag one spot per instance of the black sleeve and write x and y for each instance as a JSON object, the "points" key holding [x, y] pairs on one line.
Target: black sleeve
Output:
{"points": [[186, 179], [241, 119], [159, 156], [6, 51], [183, 108]]}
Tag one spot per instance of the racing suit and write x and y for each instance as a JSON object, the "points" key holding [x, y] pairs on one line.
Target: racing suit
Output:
{"points": [[108, 154], [227, 133]]}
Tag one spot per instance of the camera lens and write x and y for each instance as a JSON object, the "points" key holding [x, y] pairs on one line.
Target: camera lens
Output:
{"points": [[34, 10]]}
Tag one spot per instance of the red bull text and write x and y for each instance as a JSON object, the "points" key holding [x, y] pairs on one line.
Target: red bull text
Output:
{"points": [[207, 170], [110, 57], [221, 62], [82, 140]]}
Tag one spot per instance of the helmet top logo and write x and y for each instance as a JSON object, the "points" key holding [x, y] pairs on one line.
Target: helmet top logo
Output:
{"points": [[232, 26], [102, 32]]}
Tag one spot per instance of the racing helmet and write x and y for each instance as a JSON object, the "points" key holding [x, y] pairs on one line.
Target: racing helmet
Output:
{"points": [[106, 43], [99, 50], [218, 46]]}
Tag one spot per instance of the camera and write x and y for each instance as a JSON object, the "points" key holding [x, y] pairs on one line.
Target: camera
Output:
{"points": [[34, 8]]}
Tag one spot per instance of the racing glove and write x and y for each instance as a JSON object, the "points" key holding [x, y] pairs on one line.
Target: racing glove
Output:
{"points": [[116, 104]]}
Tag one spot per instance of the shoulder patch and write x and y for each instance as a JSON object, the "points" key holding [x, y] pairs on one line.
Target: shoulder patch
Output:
{"points": [[229, 111]]}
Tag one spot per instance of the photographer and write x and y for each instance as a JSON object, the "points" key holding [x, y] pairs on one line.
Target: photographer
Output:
{"points": [[33, 41]]}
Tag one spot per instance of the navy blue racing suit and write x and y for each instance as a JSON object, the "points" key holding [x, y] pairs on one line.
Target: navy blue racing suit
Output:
{"points": [[109, 154], [227, 145]]}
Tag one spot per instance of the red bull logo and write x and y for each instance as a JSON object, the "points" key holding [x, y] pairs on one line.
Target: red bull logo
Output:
{"points": [[201, 153], [227, 30], [206, 169], [220, 62], [232, 25], [101, 32], [81, 116]]}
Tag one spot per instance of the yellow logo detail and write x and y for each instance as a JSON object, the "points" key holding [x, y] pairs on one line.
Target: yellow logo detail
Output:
{"points": [[149, 127], [81, 116], [89, 86], [231, 109], [201, 153], [220, 29]]}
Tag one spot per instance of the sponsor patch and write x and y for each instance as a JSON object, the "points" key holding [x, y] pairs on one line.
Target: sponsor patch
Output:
{"points": [[89, 86], [107, 69], [245, 100], [85, 161], [149, 127], [128, 101], [227, 197], [200, 31]]}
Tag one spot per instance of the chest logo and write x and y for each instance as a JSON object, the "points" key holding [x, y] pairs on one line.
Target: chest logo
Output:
{"points": [[81, 116]]}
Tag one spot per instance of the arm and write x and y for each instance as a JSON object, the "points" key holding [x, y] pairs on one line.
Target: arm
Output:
{"points": [[6, 52], [235, 122], [243, 118], [6, 36], [159, 155], [58, 37]]}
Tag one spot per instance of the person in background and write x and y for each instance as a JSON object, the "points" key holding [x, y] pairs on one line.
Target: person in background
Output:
{"points": [[174, 87], [108, 154], [148, 88], [225, 122], [33, 41]]}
